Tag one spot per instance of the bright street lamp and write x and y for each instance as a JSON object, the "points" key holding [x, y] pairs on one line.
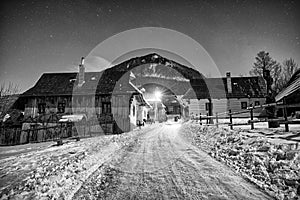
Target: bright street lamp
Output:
{"points": [[158, 95]]}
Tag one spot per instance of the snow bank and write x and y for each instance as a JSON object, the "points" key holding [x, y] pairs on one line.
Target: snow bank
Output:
{"points": [[58, 172], [274, 166]]}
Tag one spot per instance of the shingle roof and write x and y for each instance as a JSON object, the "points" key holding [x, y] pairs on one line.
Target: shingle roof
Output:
{"points": [[198, 89], [216, 88], [100, 82], [7, 103], [56, 84], [246, 87], [53, 84], [186, 72], [117, 79], [292, 86]]}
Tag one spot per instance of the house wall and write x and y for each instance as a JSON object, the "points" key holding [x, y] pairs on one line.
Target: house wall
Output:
{"points": [[197, 106], [235, 105], [88, 104], [123, 108], [219, 105], [158, 108], [222, 105], [133, 113], [142, 113], [84, 104], [31, 108], [120, 111]]}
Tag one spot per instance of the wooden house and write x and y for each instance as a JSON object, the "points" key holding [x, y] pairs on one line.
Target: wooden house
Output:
{"points": [[108, 99], [218, 95], [291, 94]]}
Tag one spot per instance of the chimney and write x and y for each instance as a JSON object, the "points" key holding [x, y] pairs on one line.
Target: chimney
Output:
{"points": [[81, 73], [228, 80]]}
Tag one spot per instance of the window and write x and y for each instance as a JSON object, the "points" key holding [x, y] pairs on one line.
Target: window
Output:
{"points": [[244, 105], [176, 110], [97, 101], [41, 108], [256, 103], [133, 110], [52, 100], [61, 107], [106, 107], [207, 105]]}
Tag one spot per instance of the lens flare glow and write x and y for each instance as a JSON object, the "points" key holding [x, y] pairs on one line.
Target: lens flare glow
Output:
{"points": [[158, 94]]}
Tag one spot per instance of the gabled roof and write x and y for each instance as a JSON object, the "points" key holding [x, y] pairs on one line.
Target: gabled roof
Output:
{"points": [[53, 84], [57, 84], [292, 86], [186, 72], [116, 79], [6, 104], [216, 88], [246, 87]]}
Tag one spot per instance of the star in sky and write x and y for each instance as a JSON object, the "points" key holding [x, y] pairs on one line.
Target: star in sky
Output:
{"points": [[232, 31]]}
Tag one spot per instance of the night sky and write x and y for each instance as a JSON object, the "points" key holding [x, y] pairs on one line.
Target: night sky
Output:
{"points": [[49, 36]]}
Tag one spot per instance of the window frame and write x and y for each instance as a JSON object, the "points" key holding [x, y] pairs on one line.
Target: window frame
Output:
{"points": [[133, 110], [207, 106], [61, 107], [244, 104], [41, 108], [106, 108]]}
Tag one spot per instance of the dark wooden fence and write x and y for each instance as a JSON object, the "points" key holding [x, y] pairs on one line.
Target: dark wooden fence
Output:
{"points": [[48, 128], [231, 115], [10, 135]]}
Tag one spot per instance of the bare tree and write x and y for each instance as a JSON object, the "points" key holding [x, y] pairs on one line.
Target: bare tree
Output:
{"points": [[283, 74], [277, 79], [289, 68], [9, 89], [280, 73]]}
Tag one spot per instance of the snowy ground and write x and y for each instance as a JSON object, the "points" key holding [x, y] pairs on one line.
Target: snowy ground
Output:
{"points": [[163, 164], [43, 171], [270, 158], [162, 161]]}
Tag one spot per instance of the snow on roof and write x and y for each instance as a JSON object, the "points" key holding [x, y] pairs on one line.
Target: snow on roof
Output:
{"points": [[72, 118]]}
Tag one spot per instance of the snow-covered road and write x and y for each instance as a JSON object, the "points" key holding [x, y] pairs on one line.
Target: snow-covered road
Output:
{"points": [[162, 164]]}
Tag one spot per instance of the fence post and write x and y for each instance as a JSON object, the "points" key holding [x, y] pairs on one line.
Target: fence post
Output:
{"points": [[5, 140], [90, 128], [251, 117], [207, 118], [217, 120], [200, 119], [84, 127], [105, 125], [230, 119], [285, 116], [59, 141]]}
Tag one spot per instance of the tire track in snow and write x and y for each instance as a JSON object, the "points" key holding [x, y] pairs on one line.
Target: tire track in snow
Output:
{"points": [[163, 165]]}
